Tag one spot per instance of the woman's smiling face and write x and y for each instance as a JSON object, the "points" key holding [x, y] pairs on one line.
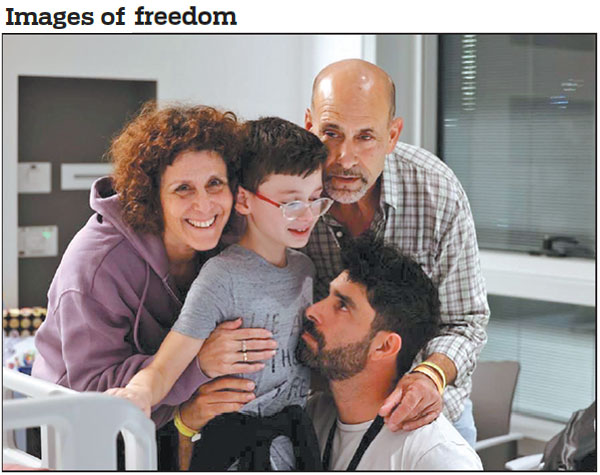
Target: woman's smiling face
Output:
{"points": [[196, 203]]}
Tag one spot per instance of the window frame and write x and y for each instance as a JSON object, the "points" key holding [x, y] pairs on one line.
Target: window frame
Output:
{"points": [[507, 273]]}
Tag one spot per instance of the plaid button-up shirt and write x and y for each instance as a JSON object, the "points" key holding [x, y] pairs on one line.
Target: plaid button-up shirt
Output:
{"points": [[424, 210]]}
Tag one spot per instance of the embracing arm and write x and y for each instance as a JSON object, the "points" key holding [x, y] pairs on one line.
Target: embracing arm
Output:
{"points": [[464, 316], [97, 351], [150, 385], [463, 298]]}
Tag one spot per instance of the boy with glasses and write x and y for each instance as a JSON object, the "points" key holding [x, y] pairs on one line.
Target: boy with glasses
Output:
{"points": [[267, 283]]}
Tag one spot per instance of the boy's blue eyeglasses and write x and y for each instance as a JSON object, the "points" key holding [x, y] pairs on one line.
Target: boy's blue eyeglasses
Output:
{"points": [[296, 209]]}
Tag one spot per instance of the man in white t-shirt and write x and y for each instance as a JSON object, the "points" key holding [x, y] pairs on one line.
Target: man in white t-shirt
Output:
{"points": [[380, 311]]}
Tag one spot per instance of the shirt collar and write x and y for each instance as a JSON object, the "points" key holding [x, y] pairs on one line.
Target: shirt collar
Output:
{"points": [[329, 220], [389, 184]]}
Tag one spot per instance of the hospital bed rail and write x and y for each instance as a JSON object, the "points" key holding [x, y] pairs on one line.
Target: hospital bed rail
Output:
{"points": [[78, 430]]}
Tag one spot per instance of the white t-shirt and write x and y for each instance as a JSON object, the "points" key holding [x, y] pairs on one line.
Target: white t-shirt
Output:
{"points": [[436, 446]]}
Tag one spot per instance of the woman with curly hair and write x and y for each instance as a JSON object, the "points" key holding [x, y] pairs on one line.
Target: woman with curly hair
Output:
{"points": [[124, 276]]}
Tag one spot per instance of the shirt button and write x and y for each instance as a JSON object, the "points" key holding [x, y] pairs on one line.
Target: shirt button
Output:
{"points": [[339, 234]]}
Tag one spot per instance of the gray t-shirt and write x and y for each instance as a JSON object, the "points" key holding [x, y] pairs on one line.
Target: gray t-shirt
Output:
{"points": [[240, 283]]}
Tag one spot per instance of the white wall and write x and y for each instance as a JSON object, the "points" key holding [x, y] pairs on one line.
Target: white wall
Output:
{"points": [[321, 50], [253, 75], [411, 61]]}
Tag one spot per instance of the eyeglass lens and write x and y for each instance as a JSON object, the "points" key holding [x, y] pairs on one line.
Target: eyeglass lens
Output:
{"points": [[296, 209]]}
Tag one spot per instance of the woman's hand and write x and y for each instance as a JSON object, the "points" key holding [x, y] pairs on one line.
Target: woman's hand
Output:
{"points": [[219, 396], [140, 398], [230, 349]]}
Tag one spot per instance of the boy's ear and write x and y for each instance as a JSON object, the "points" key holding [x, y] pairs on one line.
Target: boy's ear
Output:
{"points": [[241, 201], [385, 345]]}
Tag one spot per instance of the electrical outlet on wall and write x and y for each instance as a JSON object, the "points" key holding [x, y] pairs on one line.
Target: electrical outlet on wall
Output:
{"points": [[35, 177], [38, 241]]}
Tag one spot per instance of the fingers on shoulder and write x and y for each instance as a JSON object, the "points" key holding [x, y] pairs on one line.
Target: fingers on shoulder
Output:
{"points": [[407, 409], [427, 418]]}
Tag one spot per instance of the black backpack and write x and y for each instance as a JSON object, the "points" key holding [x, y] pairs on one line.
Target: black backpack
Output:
{"points": [[574, 448]]}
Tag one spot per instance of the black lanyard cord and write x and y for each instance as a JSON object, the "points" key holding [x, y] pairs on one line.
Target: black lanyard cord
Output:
{"points": [[366, 440]]}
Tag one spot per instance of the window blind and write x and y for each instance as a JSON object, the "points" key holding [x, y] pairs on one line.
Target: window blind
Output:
{"points": [[555, 345], [517, 126]]}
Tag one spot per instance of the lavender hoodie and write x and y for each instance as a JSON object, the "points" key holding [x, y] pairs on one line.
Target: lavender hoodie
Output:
{"points": [[110, 305]]}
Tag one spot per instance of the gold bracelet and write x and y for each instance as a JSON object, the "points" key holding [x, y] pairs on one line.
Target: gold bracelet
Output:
{"points": [[438, 369], [181, 427], [431, 375]]}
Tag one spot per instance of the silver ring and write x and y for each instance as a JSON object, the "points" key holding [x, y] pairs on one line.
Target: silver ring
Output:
{"points": [[243, 346], [245, 356]]}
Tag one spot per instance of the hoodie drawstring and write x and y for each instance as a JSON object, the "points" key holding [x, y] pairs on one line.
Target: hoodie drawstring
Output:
{"points": [[138, 315]]}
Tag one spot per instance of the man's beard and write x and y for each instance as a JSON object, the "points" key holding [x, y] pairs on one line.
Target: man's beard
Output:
{"points": [[345, 196], [336, 364]]}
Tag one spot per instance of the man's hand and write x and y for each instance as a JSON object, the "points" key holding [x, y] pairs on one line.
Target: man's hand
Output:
{"points": [[414, 403], [223, 351], [227, 394]]}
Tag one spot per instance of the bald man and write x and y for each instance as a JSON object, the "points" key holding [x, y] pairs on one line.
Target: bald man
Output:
{"points": [[411, 198]]}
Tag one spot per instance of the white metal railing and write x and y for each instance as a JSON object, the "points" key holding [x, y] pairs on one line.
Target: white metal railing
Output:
{"points": [[78, 430]]}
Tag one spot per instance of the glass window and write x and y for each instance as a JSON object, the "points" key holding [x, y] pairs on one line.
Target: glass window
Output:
{"points": [[517, 126], [555, 345]]}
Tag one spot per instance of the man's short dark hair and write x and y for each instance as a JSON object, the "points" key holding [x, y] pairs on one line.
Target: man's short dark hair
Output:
{"points": [[404, 298], [277, 146]]}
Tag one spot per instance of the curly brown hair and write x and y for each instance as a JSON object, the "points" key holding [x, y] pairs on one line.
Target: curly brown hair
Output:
{"points": [[152, 141]]}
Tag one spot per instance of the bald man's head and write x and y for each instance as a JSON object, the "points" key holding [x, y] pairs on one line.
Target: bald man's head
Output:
{"points": [[358, 74], [352, 112]]}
